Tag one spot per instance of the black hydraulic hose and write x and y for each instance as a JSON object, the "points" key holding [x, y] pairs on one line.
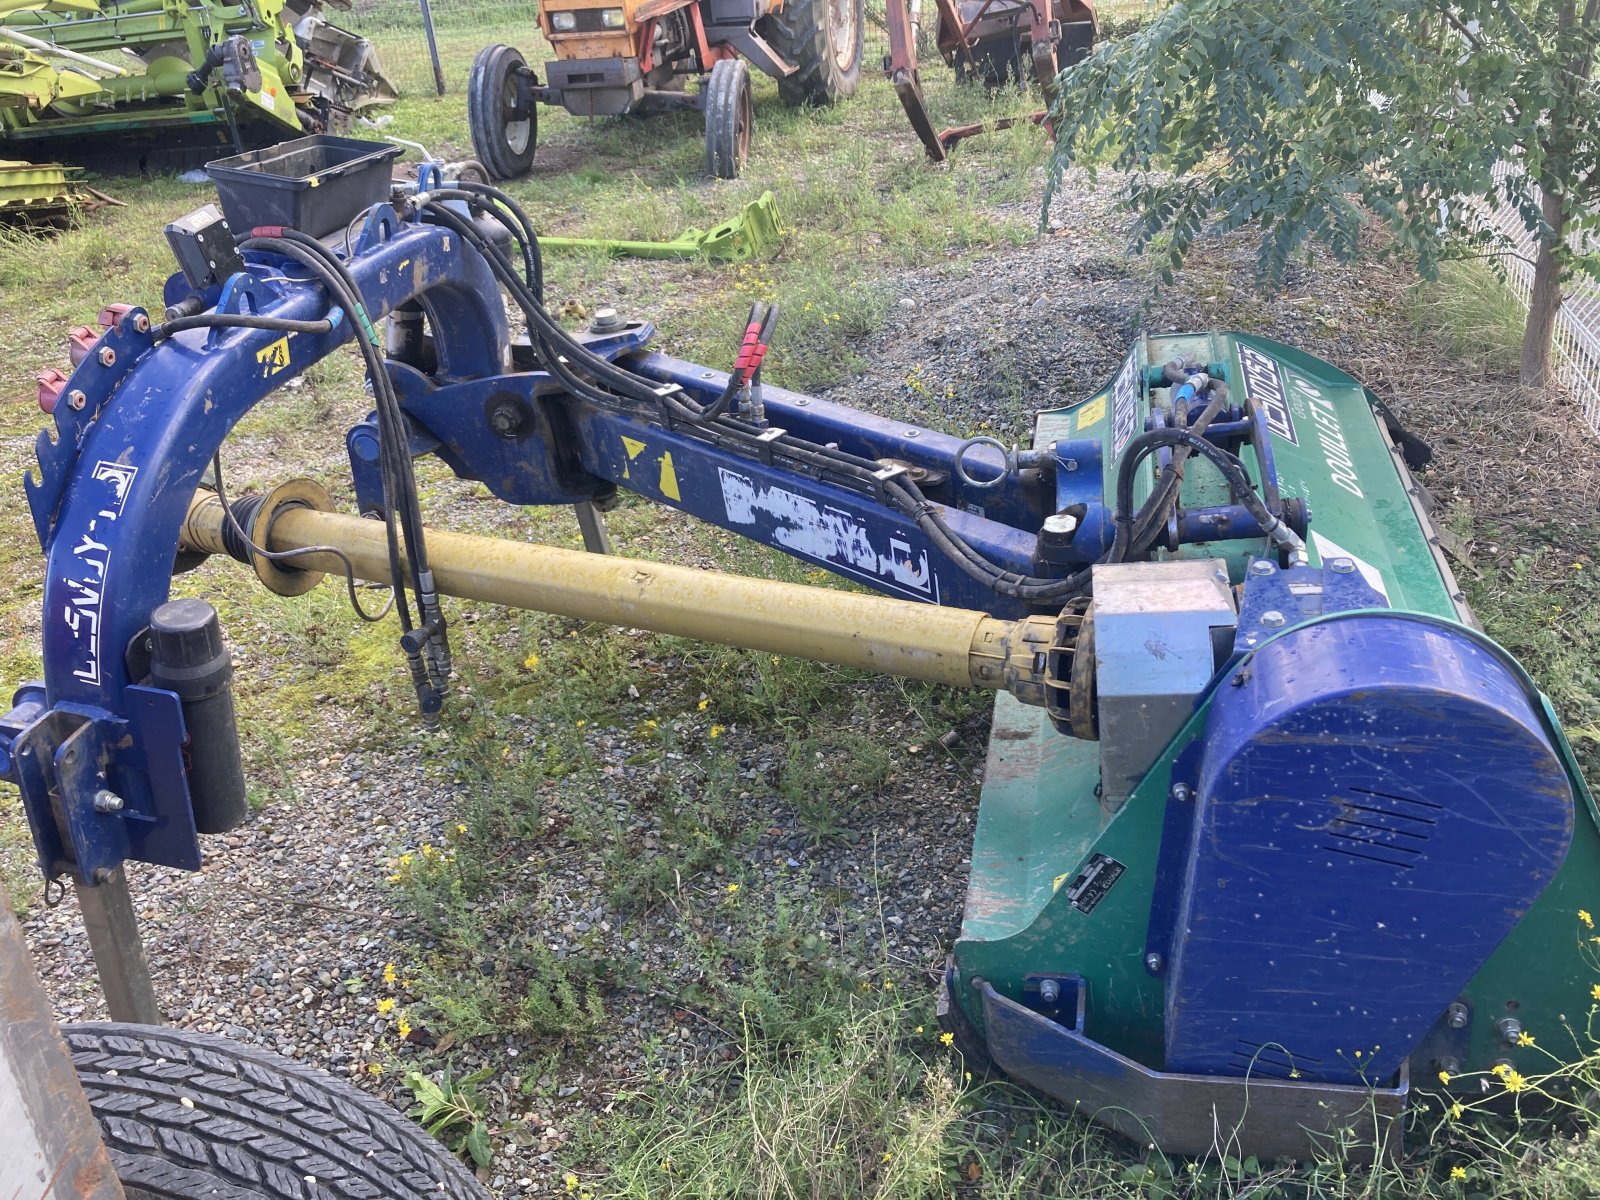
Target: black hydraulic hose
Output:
{"points": [[533, 260], [344, 292], [1146, 529], [1229, 465], [243, 321]]}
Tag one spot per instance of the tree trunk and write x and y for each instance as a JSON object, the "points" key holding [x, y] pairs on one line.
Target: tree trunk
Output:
{"points": [[1545, 301]]}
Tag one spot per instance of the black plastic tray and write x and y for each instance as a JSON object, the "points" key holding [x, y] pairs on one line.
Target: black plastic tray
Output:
{"points": [[316, 184]]}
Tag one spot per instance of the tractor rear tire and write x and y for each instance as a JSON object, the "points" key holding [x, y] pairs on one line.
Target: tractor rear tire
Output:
{"points": [[729, 115], [503, 138], [823, 39], [187, 1116]]}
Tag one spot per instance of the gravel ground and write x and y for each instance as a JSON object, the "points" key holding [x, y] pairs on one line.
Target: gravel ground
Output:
{"points": [[260, 944]]}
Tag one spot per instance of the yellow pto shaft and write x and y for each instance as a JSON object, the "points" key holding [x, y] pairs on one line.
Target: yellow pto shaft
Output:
{"points": [[953, 646]]}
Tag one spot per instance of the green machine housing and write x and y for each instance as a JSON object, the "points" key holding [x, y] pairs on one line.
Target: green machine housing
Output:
{"points": [[1102, 860]]}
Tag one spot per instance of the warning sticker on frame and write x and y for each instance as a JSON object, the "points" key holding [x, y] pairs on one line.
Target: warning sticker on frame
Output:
{"points": [[1124, 405]]}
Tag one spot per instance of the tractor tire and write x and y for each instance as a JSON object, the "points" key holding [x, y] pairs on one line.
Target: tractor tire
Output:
{"points": [[822, 38], [729, 115], [503, 138], [188, 1115]]}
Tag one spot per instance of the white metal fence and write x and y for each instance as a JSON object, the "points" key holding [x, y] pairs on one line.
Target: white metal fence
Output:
{"points": [[1577, 333]]}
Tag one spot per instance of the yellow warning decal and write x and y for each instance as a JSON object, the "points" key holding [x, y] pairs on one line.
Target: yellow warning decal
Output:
{"points": [[1055, 884], [1091, 413], [273, 358], [634, 448], [669, 478]]}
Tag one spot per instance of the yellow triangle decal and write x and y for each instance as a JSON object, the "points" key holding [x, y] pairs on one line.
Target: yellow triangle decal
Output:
{"points": [[669, 478], [633, 448]]}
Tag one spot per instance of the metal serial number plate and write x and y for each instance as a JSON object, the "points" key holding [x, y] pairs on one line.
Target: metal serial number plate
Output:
{"points": [[1092, 884]]}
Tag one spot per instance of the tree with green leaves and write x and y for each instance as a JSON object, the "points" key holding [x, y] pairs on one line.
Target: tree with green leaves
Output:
{"points": [[1300, 117]]}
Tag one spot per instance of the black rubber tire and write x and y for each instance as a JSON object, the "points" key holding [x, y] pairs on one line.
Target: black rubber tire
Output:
{"points": [[255, 1127], [729, 115], [503, 142], [823, 39]]}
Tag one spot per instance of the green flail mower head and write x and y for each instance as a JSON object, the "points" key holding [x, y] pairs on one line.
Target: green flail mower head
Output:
{"points": [[165, 83]]}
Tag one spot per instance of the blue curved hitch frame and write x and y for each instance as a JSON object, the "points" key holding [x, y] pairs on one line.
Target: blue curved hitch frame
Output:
{"points": [[141, 419]]}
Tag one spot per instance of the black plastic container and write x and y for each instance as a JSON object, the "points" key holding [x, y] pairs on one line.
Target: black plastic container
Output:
{"points": [[316, 184]]}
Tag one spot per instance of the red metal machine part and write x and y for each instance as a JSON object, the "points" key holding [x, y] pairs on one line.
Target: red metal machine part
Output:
{"points": [[971, 36]]}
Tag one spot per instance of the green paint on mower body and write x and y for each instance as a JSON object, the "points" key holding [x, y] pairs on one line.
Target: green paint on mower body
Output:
{"points": [[1041, 822]]}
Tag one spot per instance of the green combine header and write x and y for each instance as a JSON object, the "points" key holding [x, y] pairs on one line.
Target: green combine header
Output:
{"points": [[163, 84]]}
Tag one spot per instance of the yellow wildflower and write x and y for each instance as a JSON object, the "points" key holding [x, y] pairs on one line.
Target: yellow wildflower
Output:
{"points": [[389, 974], [1514, 1081], [427, 850], [733, 889], [1588, 921], [581, 722], [374, 1068], [716, 732], [1294, 1072], [385, 1006], [888, 985], [918, 1029], [887, 1157], [1524, 1039], [570, 1180], [1595, 991], [531, 662], [461, 830], [703, 705], [947, 1039], [1500, 1070], [1458, 1173], [1444, 1076], [1456, 1110], [403, 1027]]}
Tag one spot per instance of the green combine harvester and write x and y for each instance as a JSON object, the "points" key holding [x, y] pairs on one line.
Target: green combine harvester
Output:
{"points": [[167, 84]]}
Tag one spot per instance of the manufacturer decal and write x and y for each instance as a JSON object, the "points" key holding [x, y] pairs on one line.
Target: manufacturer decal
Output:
{"points": [[1092, 884], [1264, 385], [1124, 405], [826, 534], [1335, 450], [91, 559], [1091, 413]]}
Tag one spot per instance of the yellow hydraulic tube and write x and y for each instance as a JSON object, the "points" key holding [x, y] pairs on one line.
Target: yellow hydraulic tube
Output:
{"points": [[952, 646]]}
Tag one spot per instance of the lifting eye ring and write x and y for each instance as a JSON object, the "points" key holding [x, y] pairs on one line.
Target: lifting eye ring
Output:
{"points": [[1008, 455]]}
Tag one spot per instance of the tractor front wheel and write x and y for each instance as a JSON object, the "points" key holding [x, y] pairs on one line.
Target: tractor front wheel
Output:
{"points": [[822, 38], [729, 115], [501, 114]]}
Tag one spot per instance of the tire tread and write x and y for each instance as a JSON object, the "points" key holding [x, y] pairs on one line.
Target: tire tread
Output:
{"points": [[261, 1127]]}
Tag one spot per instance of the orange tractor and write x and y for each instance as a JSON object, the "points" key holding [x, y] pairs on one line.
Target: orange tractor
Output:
{"points": [[625, 56]]}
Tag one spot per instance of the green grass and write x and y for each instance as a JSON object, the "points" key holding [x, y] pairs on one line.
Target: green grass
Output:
{"points": [[1474, 314]]}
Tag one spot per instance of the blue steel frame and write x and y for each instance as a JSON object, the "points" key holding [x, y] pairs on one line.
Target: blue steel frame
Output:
{"points": [[141, 419]]}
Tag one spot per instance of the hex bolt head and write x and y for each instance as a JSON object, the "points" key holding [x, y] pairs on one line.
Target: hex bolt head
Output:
{"points": [[1450, 1066], [141, 323], [1049, 991], [1153, 962], [1182, 793], [1342, 566], [605, 318], [1273, 619], [108, 356], [1062, 523], [76, 400], [106, 801], [1509, 1029], [1262, 567], [1458, 1015]]}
